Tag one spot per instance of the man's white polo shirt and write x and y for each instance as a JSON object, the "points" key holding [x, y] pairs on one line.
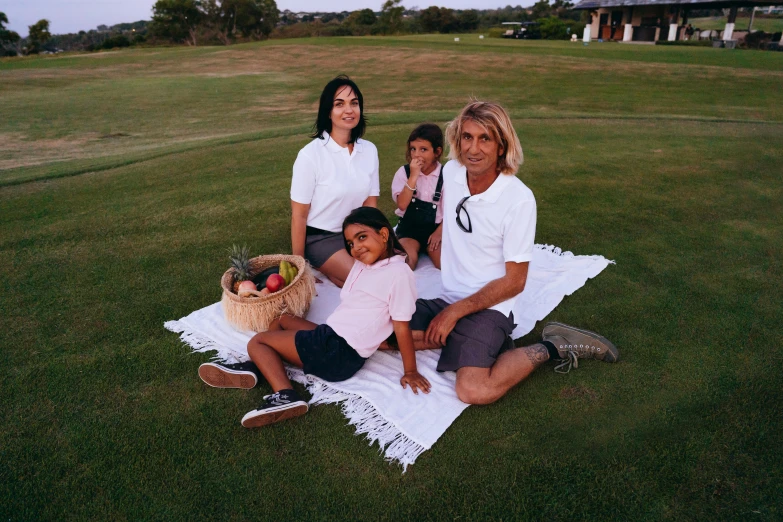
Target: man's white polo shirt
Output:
{"points": [[333, 181], [504, 229]]}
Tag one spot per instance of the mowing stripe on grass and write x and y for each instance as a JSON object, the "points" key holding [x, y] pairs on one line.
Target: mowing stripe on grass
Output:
{"points": [[24, 174]]}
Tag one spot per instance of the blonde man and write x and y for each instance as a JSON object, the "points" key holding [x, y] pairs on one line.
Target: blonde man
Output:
{"points": [[489, 227]]}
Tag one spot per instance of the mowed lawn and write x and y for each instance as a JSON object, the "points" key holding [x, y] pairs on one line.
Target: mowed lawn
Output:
{"points": [[125, 177]]}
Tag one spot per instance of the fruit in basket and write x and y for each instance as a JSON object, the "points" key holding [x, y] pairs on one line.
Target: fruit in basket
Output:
{"points": [[275, 282], [240, 262], [260, 278], [247, 289], [288, 271]]}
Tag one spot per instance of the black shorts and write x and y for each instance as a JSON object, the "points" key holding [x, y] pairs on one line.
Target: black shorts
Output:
{"points": [[327, 355], [477, 339], [420, 232], [320, 245]]}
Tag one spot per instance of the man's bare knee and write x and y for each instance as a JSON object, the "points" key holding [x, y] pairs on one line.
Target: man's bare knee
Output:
{"points": [[472, 390], [475, 395]]}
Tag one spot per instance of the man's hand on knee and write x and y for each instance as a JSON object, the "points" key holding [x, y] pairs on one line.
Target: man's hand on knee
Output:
{"points": [[441, 326]]}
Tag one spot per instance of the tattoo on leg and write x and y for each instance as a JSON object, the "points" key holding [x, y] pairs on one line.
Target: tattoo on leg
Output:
{"points": [[538, 354]]}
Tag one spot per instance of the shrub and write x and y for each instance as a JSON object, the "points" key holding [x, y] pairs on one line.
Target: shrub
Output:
{"points": [[342, 31], [689, 43], [553, 29], [115, 42], [298, 30], [757, 40], [577, 28], [496, 32]]}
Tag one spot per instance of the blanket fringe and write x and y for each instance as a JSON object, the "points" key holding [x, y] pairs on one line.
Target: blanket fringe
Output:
{"points": [[203, 344], [552, 249], [360, 413], [394, 445]]}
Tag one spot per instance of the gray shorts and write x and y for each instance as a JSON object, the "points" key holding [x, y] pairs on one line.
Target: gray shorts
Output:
{"points": [[320, 246], [477, 340]]}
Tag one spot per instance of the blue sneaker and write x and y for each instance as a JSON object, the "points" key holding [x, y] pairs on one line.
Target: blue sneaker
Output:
{"points": [[279, 406]]}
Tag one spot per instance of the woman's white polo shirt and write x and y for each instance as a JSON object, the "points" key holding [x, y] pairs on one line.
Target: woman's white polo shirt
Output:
{"points": [[503, 218], [334, 181]]}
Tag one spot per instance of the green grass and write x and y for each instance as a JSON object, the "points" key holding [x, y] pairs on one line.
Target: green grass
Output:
{"points": [[151, 163]]}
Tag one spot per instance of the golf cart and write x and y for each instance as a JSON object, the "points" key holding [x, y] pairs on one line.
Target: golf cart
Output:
{"points": [[522, 30]]}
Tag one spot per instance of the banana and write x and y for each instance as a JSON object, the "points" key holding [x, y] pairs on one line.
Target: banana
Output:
{"points": [[288, 271]]}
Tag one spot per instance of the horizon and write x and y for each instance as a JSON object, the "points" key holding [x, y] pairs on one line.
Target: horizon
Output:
{"points": [[68, 16]]}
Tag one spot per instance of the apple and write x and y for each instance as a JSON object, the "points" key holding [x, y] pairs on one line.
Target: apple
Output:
{"points": [[275, 282], [247, 289]]}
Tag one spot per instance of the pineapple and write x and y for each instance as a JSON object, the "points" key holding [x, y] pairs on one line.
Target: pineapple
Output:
{"points": [[240, 262]]}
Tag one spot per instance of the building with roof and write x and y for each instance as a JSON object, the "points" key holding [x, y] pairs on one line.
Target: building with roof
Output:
{"points": [[654, 20]]}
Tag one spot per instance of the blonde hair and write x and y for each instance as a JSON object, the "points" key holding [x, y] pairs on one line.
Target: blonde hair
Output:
{"points": [[496, 120]]}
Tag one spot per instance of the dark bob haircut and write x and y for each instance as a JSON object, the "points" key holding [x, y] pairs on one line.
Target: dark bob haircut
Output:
{"points": [[373, 218], [428, 132], [323, 122]]}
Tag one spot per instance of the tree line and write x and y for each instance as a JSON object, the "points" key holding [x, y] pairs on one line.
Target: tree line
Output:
{"points": [[210, 22], [12, 44]]}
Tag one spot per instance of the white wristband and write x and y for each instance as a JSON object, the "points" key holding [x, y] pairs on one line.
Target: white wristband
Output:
{"points": [[411, 188]]}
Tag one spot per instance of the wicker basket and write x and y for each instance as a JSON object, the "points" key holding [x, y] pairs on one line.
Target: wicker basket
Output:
{"points": [[255, 313]]}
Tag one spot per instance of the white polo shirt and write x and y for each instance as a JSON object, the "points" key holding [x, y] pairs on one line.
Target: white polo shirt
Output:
{"points": [[333, 181], [504, 229]]}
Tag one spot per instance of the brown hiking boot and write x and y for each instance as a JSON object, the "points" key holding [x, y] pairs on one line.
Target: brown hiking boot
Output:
{"points": [[574, 343]]}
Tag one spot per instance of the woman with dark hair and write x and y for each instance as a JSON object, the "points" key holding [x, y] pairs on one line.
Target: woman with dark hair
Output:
{"points": [[333, 174]]}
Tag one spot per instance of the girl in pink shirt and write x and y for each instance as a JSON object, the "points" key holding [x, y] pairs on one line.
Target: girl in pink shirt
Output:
{"points": [[417, 189], [377, 299]]}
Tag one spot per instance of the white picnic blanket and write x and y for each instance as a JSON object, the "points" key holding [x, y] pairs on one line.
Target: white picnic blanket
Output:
{"points": [[405, 425]]}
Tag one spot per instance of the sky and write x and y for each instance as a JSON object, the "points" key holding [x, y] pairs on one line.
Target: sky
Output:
{"points": [[71, 16]]}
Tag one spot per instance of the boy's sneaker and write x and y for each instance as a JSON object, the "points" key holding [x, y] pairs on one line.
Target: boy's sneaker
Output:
{"points": [[279, 406], [240, 375], [574, 343]]}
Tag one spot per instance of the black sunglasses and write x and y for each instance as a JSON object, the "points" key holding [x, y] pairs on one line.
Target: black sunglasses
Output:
{"points": [[461, 208]]}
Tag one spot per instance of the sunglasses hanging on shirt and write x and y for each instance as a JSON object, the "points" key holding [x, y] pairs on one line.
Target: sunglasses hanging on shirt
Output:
{"points": [[460, 209]]}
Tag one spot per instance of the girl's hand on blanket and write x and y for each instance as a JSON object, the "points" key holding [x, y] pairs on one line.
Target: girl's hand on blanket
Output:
{"points": [[416, 381]]}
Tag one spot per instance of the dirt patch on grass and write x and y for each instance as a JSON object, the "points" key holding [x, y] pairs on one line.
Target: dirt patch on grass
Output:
{"points": [[16, 150], [752, 228], [578, 392]]}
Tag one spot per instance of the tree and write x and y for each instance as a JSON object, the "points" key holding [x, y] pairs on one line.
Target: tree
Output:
{"points": [[430, 19], [363, 17], [541, 9], [250, 17], [468, 20], [8, 39], [176, 20], [39, 34], [390, 21], [439, 19], [564, 10]]}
